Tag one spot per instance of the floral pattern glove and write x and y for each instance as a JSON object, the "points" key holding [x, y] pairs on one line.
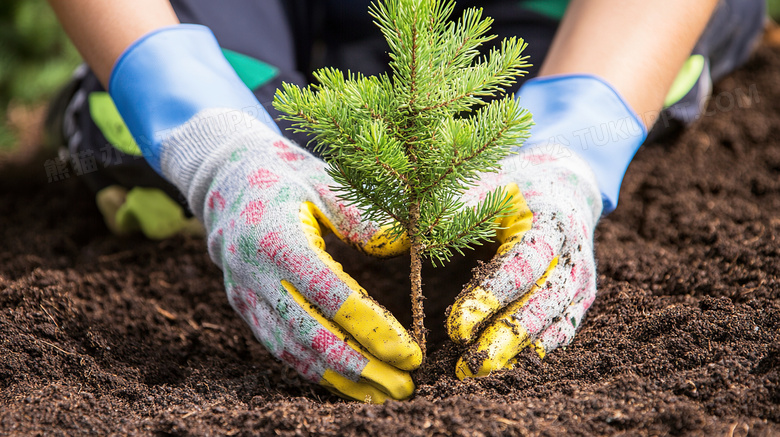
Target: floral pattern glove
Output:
{"points": [[265, 204], [543, 278]]}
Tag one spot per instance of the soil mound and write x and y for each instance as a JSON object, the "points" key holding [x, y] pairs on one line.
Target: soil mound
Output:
{"points": [[100, 334]]}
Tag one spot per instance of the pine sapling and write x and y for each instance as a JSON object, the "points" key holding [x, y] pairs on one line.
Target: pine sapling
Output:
{"points": [[405, 146]]}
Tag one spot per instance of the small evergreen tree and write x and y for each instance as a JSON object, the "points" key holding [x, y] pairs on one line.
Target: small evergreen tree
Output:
{"points": [[405, 146]]}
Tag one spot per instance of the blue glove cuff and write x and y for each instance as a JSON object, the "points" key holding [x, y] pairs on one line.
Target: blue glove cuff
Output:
{"points": [[583, 114], [169, 75]]}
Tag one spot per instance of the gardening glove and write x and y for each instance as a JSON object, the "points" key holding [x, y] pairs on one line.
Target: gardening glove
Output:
{"points": [[538, 287], [265, 204], [147, 210]]}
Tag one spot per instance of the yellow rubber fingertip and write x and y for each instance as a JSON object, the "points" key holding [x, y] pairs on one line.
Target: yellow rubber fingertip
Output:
{"points": [[385, 245], [470, 309], [539, 348], [515, 225], [358, 391], [388, 379], [378, 331], [153, 212], [498, 345], [462, 370]]}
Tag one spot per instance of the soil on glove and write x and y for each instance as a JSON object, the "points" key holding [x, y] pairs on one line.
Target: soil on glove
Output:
{"points": [[100, 334]]}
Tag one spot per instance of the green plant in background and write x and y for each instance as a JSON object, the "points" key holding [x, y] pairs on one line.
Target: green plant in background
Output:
{"points": [[406, 146], [36, 57], [773, 9]]}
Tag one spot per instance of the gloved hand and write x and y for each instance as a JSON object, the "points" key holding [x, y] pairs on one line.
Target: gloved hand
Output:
{"points": [[538, 287], [265, 204], [148, 210], [543, 278]]}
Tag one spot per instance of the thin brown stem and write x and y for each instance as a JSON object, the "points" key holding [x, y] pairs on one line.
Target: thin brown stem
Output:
{"points": [[418, 314], [413, 67]]}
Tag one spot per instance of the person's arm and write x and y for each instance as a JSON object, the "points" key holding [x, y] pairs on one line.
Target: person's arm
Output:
{"points": [[605, 78], [638, 47], [611, 61], [101, 30]]}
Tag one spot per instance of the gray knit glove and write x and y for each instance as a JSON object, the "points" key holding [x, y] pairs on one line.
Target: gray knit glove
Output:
{"points": [[543, 278], [265, 204]]}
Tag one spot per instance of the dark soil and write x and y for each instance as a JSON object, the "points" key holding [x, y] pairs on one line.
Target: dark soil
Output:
{"points": [[102, 335]]}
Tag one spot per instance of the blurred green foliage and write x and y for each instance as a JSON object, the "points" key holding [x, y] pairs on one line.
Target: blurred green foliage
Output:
{"points": [[773, 7], [36, 57]]}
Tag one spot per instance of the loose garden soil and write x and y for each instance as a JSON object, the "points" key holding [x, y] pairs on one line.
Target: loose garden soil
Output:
{"points": [[108, 335]]}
